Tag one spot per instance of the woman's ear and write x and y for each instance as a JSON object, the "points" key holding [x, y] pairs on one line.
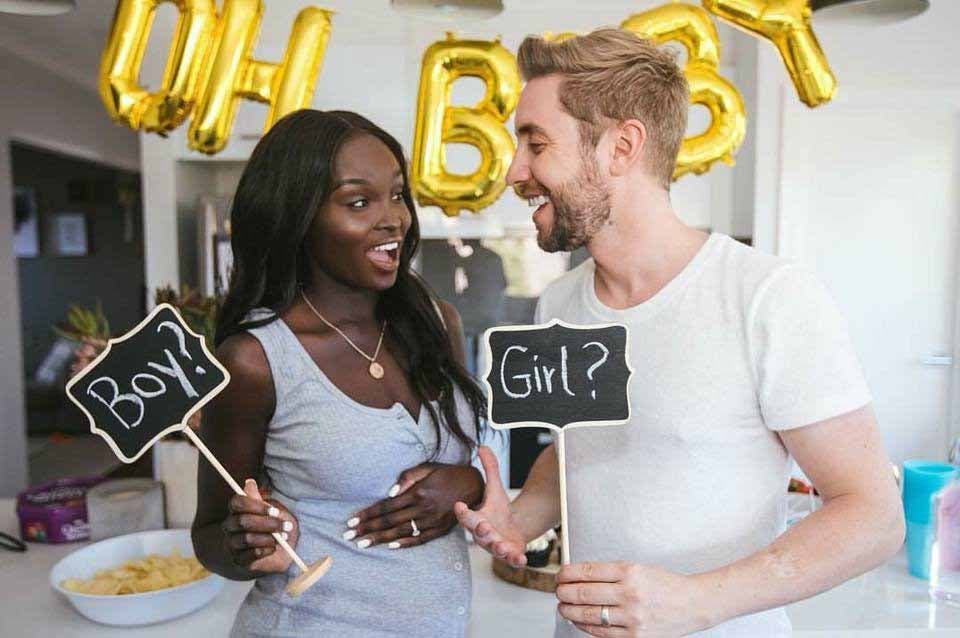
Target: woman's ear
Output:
{"points": [[628, 143]]}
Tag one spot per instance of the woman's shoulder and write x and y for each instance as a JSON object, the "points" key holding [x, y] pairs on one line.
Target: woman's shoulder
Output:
{"points": [[250, 392], [244, 358]]}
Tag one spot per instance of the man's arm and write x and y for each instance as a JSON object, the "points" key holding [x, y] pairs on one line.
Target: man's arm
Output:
{"points": [[859, 526], [537, 507]]}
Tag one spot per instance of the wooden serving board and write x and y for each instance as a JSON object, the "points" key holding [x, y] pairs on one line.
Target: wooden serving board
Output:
{"points": [[539, 578]]}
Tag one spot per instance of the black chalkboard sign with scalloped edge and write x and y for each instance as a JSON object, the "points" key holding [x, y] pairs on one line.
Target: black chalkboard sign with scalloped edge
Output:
{"points": [[147, 383], [557, 375]]}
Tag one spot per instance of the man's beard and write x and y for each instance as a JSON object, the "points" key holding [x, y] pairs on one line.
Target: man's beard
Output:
{"points": [[581, 207]]}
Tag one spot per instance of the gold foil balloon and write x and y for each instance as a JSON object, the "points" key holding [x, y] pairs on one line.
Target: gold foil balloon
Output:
{"points": [[209, 66], [482, 126], [128, 102], [727, 122], [232, 73], [550, 36], [785, 23], [693, 28]]}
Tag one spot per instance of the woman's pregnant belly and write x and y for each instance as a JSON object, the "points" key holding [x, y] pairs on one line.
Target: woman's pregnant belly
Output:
{"points": [[416, 591]]}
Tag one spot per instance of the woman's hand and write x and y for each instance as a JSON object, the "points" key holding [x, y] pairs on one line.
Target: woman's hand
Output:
{"points": [[424, 494], [248, 531]]}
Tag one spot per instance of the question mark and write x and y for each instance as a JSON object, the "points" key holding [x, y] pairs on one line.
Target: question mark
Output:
{"points": [[593, 393], [178, 331]]}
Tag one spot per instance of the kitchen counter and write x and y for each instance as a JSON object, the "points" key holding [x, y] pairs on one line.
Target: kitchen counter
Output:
{"points": [[885, 603]]}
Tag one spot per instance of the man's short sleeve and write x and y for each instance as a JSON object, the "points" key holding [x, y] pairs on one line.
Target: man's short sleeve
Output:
{"points": [[804, 362]]}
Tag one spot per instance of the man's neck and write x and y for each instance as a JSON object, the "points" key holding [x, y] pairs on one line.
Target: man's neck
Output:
{"points": [[640, 252]]}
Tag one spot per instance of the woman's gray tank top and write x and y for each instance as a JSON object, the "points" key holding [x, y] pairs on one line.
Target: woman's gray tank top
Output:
{"points": [[327, 456]]}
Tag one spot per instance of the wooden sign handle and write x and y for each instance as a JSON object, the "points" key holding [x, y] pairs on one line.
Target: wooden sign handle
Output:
{"points": [[564, 529], [309, 574]]}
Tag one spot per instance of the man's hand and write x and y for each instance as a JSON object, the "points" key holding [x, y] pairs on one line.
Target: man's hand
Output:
{"points": [[643, 601], [493, 525]]}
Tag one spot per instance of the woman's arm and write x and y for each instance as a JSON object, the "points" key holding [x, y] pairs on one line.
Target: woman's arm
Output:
{"points": [[232, 533]]}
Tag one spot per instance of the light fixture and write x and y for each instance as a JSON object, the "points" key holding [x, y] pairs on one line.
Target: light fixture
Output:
{"points": [[448, 10], [37, 7], [868, 11]]}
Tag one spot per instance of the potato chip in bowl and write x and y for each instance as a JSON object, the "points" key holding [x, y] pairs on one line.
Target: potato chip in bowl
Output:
{"points": [[136, 579], [150, 573]]}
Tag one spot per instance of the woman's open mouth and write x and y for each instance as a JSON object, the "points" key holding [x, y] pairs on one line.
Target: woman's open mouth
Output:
{"points": [[386, 256]]}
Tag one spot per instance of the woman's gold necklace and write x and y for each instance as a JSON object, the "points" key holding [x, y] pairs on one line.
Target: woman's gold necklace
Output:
{"points": [[375, 369]]}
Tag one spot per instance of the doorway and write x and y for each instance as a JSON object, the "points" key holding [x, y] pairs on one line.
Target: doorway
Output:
{"points": [[78, 240]]}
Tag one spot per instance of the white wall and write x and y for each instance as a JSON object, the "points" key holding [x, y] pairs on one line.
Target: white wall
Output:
{"points": [[878, 225], [13, 452], [43, 110]]}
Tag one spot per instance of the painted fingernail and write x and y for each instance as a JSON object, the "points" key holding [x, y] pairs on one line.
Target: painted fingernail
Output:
{"points": [[364, 543], [284, 535], [288, 526], [393, 491], [394, 545], [353, 521], [274, 512], [349, 535]]}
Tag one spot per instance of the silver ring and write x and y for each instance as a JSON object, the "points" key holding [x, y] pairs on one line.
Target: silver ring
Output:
{"points": [[416, 530], [604, 616]]}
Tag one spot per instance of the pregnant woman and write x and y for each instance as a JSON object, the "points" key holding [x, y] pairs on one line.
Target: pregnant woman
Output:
{"points": [[349, 402]]}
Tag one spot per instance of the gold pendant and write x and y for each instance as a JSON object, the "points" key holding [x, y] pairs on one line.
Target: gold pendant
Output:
{"points": [[376, 370]]}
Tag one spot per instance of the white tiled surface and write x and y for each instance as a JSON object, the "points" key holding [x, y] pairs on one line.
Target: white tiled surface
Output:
{"points": [[886, 603]]}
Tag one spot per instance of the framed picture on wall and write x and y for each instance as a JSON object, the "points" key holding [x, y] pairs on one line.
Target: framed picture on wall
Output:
{"points": [[70, 234], [26, 228]]}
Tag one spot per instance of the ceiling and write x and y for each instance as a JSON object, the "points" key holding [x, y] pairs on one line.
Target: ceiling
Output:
{"points": [[70, 45]]}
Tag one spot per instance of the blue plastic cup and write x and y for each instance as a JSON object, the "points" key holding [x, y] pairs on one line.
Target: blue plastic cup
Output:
{"points": [[921, 480]]}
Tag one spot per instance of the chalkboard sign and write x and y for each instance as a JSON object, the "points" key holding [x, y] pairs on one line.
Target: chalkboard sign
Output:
{"points": [[147, 383], [557, 375]]}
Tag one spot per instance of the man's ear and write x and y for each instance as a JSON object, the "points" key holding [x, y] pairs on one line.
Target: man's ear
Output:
{"points": [[628, 143]]}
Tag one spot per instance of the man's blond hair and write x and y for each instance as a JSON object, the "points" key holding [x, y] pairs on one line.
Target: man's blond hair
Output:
{"points": [[612, 74]]}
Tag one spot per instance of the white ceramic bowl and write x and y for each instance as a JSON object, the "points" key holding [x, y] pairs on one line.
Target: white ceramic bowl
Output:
{"points": [[134, 609]]}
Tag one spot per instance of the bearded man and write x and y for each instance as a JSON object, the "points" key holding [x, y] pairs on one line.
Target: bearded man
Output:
{"points": [[741, 361]]}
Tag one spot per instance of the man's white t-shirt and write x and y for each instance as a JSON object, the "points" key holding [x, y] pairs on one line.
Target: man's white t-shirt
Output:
{"points": [[738, 346]]}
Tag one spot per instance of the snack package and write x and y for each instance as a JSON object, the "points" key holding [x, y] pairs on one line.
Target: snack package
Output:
{"points": [[56, 511]]}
